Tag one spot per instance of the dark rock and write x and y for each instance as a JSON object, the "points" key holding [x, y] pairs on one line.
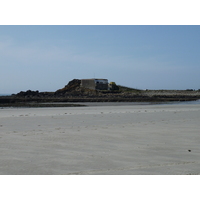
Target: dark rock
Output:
{"points": [[28, 93], [72, 87]]}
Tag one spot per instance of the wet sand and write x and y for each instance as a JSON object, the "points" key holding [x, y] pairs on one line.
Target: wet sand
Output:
{"points": [[107, 139]]}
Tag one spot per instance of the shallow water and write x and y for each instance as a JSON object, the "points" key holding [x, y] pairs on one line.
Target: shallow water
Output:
{"points": [[138, 103], [184, 102]]}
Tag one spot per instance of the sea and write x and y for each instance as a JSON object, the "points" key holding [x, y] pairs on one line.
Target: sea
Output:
{"points": [[5, 95]]}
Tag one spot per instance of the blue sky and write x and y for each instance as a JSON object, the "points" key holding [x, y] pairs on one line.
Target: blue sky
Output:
{"points": [[46, 58]]}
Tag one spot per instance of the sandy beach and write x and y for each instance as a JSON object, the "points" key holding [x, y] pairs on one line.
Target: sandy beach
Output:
{"points": [[106, 139]]}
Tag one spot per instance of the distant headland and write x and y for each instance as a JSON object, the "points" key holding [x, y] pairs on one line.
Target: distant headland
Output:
{"points": [[95, 90]]}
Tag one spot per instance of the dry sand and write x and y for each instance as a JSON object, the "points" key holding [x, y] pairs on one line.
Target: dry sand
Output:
{"points": [[126, 139]]}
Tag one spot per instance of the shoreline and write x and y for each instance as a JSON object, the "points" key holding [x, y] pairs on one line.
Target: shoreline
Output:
{"points": [[103, 103], [39, 105]]}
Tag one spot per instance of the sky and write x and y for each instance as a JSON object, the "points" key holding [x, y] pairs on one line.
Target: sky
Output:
{"points": [[46, 58]]}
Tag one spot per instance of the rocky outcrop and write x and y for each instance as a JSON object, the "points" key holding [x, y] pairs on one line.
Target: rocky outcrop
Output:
{"points": [[33, 94], [73, 92], [73, 88], [28, 93]]}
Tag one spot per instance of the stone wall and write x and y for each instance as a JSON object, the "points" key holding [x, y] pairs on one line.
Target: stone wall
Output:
{"points": [[88, 83]]}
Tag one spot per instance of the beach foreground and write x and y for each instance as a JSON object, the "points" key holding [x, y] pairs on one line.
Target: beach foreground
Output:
{"points": [[126, 139]]}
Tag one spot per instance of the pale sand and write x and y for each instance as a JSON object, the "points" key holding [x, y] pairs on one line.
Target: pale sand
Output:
{"points": [[126, 139]]}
